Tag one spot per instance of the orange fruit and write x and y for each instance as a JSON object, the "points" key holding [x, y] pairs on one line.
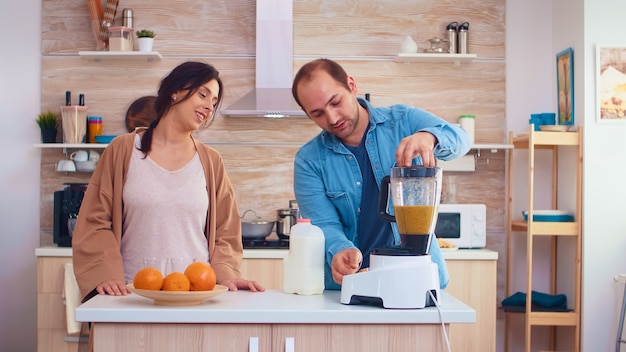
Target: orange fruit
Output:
{"points": [[176, 281], [148, 279], [201, 276]]}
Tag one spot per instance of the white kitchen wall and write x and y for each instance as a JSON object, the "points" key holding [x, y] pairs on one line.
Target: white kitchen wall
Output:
{"points": [[536, 31], [604, 225], [529, 81], [20, 23]]}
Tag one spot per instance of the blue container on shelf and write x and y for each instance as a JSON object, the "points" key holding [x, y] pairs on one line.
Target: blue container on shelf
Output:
{"points": [[104, 138], [537, 120], [549, 216]]}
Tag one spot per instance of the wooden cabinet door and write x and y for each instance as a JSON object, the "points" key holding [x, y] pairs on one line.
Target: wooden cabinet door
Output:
{"points": [[358, 337], [473, 282], [51, 326], [268, 272], [181, 337]]}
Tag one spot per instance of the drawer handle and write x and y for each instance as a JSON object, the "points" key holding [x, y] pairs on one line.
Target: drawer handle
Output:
{"points": [[290, 344], [254, 344]]}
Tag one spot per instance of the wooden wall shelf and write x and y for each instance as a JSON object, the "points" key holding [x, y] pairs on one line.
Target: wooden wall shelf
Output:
{"points": [[434, 57], [120, 55]]}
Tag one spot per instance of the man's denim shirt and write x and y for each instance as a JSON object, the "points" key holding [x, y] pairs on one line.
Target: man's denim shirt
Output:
{"points": [[327, 178]]}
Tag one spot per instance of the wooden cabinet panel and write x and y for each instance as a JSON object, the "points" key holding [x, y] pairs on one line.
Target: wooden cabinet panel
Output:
{"points": [[268, 272], [474, 283], [363, 338], [471, 281], [51, 321], [182, 337]]}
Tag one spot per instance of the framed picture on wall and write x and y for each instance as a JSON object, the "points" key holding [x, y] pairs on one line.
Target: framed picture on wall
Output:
{"points": [[611, 83], [565, 86]]}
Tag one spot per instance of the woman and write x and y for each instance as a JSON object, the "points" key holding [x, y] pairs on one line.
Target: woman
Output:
{"points": [[159, 192]]}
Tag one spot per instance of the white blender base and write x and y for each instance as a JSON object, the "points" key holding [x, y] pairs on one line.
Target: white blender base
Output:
{"points": [[398, 281]]}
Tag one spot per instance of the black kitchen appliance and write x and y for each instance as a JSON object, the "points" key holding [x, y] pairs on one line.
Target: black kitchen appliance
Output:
{"points": [[66, 205], [265, 244]]}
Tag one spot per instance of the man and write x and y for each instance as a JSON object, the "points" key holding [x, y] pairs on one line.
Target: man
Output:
{"points": [[337, 174]]}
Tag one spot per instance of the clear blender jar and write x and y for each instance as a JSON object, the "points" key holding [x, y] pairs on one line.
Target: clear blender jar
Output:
{"points": [[415, 194]]}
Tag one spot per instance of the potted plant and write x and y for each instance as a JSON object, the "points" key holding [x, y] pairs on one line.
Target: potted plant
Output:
{"points": [[47, 123], [146, 39]]}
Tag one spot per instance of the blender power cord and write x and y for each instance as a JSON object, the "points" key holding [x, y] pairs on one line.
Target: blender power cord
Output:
{"points": [[443, 326]]}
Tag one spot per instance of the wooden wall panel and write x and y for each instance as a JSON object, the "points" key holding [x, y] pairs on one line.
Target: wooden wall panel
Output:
{"points": [[364, 36], [377, 27], [192, 27]]}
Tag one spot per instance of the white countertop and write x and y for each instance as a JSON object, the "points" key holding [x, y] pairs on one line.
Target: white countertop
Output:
{"points": [[460, 254], [271, 306]]}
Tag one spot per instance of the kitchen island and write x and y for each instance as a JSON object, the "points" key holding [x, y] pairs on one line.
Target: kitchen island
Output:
{"points": [[472, 280], [268, 321]]}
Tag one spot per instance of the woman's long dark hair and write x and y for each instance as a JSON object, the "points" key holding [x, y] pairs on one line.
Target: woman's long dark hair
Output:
{"points": [[188, 76]]}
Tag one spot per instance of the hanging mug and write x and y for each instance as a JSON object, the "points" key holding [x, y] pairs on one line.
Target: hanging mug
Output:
{"points": [[80, 155]]}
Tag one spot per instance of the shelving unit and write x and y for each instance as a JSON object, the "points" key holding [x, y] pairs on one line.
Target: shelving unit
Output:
{"points": [[434, 57], [554, 142], [120, 55], [70, 145]]}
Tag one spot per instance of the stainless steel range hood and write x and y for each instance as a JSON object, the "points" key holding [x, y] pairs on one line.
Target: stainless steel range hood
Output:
{"points": [[274, 65]]}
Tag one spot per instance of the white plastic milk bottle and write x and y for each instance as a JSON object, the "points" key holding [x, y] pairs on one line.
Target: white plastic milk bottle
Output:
{"points": [[304, 264]]}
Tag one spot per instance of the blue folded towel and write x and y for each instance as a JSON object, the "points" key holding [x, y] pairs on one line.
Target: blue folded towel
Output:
{"points": [[539, 299]]}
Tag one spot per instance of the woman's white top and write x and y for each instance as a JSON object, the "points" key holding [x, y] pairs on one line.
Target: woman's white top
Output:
{"points": [[164, 214]]}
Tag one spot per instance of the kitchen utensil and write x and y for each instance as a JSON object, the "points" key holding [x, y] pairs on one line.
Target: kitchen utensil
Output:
{"points": [[95, 14], [120, 39], [79, 155], [71, 224], [74, 122], [107, 19], [66, 166], [416, 192], [438, 45], [178, 298], [402, 276], [85, 166], [127, 15], [451, 28], [140, 113], [285, 220], [94, 127], [255, 229], [94, 156], [463, 37]]}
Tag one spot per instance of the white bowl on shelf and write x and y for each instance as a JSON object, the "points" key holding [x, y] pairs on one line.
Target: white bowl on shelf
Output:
{"points": [[85, 166]]}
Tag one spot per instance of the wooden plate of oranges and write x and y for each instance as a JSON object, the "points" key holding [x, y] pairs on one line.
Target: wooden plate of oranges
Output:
{"points": [[192, 287]]}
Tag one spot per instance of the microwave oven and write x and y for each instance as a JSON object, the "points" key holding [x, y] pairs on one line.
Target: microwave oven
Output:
{"points": [[464, 225]]}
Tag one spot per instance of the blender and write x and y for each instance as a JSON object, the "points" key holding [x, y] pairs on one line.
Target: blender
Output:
{"points": [[402, 276]]}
